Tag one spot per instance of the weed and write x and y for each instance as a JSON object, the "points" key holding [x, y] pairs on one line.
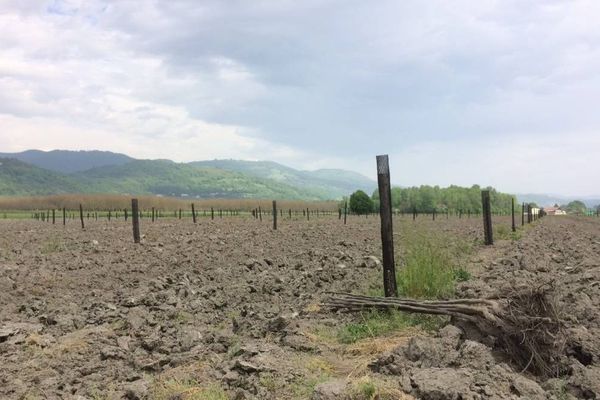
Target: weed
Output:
{"points": [[267, 381], [367, 389], [461, 275]]}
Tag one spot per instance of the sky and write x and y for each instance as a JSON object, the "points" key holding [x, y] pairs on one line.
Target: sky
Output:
{"points": [[502, 93]]}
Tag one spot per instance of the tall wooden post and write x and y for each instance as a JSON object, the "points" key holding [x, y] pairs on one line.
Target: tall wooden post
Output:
{"points": [[135, 219], [274, 215], [53, 217], [126, 214], [193, 213], [387, 233], [81, 216], [64, 216], [307, 214], [212, 213], [180, 213], [487, 217], [528, 213], [512, 210]]}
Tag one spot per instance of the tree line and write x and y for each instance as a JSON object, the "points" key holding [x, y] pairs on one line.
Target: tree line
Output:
{"points": [[427, 199]]}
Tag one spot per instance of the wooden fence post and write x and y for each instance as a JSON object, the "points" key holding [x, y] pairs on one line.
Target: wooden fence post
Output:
{"points": [[64, 216], [307, 214], [135, 218], [53, 217], [345, 211], [512, 210], [274, 215], [387, 233], [81, 216], [487, 217], [193, 213], [125, 213]]}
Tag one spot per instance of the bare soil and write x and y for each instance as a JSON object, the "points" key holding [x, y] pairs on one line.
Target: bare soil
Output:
{"points": [[230, 304]]}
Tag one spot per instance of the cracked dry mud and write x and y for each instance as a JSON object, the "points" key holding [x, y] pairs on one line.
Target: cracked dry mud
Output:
{"points": [[230, 303]]}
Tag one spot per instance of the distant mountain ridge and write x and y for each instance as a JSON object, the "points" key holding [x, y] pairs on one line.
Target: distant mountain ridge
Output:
{"points": [[35, 172], [545, 200], [67, 161], [323, 180]]}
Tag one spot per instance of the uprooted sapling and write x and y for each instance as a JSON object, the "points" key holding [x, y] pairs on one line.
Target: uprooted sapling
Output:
{"points": [[525, 323]]}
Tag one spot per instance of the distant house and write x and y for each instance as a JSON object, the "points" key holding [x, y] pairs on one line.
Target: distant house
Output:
{"points": [[556, 210]]}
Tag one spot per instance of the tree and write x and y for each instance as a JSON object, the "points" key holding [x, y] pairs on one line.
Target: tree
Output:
{"points": [[576, 207], [360, 203]]}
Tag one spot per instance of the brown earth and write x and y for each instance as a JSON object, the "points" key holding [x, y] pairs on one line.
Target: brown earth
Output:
{"points": [[231, 307], [458, 363]]}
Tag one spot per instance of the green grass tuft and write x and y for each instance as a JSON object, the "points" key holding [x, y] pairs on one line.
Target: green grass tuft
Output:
{"points": [[379, 323], [428, 271]]}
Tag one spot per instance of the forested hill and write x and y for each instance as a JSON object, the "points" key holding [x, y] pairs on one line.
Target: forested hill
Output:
{"points": [[36, 172]]}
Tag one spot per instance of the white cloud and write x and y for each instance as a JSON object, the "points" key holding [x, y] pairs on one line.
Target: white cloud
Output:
{"points": [[312, 84], [515, 163]]}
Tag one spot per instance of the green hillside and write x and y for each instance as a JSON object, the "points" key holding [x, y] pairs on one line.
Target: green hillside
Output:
{"points": [[20, 179], [173, 179], [36, 172], [326, 183]]}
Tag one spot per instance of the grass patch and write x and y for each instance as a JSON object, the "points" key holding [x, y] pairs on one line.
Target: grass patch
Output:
{"points": [[186, 390], [432, 265], [52, 245], [503, 232], [379, 323], [303, 388], [429, 270], [369, 388]]}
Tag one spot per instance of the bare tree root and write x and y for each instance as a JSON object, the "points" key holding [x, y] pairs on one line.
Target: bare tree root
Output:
{"points": [[526, 323]]}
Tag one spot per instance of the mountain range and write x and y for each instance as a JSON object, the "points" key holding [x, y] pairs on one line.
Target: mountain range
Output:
{"points": [[36, 172]]}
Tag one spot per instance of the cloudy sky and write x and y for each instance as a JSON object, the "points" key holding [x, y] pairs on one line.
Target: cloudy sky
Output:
{"points": [[503, 93]]}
